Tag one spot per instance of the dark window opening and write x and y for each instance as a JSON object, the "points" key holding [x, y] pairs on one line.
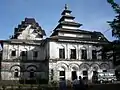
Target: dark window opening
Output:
{"points": [[16, 73], [104, 55], [73, 54], [85, 78], [52, 74], [35, 54], [13, 53], [84, 54], [62, 53], [85, 73], [94, 54], [104, 70], [62, 73], [23, 54], [31, 73], [95, 73], [95, 77], [74, 75]]}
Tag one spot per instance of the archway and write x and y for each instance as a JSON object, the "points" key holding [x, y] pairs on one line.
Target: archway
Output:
{"points": [[61, 70], [31, 70], [94, 72], [15, 71], [104, 67], [74, 68], [84, 67]]}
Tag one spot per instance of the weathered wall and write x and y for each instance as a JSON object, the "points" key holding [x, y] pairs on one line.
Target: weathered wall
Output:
{"points": [[55, 46], [68, 65], [10, 63]]}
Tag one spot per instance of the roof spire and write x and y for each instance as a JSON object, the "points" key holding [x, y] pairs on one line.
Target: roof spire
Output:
{"points": [[66, 6]]}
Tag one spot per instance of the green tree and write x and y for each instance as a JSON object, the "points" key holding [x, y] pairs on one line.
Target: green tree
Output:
{"points": [[115, 24], [112, 50], [115, 27]]}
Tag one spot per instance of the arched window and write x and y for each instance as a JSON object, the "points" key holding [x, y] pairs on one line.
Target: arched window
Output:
{"points": [[74, 70], [16, 73]]}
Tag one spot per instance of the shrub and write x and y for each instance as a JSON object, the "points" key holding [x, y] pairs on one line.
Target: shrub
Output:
{"points": [[54, 83]]}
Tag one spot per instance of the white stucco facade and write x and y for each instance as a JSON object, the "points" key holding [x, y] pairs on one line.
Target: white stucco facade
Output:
{"points": [[67, 53], [74, 52], [79, 65], [24, 56]]}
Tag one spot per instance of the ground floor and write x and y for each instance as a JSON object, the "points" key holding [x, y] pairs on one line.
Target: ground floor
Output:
{"points": [[54, 70], [70, 70], [24, 71]]}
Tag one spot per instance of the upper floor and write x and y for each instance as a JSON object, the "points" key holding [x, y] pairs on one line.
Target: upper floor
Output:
{"points": [[75, 51], [24, 51]]}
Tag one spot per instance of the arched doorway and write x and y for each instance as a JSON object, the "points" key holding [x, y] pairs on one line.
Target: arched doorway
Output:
{"points": [[74, 73], [95, 76], [74, 69], [16, 73], [85, 74], [31, 77], [94, 68], [61, 71], [85, 68], [32, 74]]}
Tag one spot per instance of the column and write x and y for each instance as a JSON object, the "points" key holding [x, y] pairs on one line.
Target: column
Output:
{"points": [[68, 75]]}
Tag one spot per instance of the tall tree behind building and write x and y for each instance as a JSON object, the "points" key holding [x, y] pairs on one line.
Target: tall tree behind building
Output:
{"points": [[115, 24], [115, 27]]}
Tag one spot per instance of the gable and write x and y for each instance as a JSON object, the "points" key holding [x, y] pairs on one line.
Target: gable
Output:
{"points": [[28, 29]]}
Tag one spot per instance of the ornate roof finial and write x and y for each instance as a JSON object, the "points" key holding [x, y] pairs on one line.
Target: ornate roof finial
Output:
{"points": [[66, 6]]}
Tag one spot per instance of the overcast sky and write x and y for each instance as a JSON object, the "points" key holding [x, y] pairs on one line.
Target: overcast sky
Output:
{"points": [[93, 14]]}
